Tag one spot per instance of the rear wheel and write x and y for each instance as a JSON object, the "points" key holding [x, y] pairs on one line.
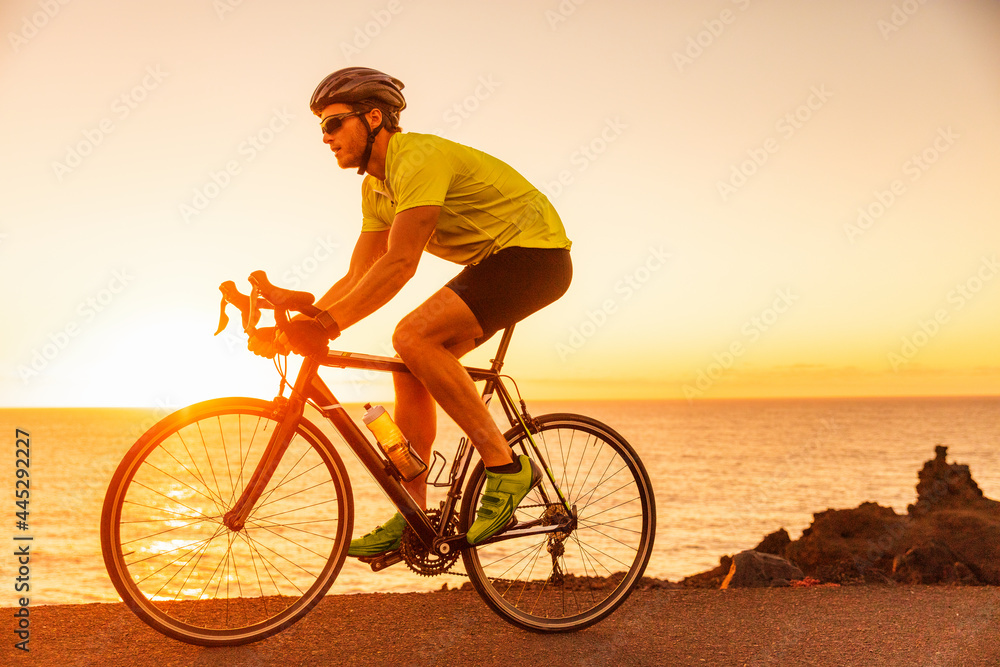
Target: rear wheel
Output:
{"points": [[563, 581], [173, 560]]}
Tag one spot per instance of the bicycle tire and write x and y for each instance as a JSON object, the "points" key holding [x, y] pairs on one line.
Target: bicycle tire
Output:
{"points": [[565, 582], [174, 562]]}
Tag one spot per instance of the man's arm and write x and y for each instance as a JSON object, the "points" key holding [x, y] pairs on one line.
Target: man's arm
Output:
{"points": [[405, 242], [368, 249]]}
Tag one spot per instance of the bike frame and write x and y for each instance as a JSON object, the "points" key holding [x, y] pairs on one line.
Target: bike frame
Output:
{"points": [[310, 388]]}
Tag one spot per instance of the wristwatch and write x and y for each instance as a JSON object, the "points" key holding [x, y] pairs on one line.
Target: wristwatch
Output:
{"points": [[329, 324]]}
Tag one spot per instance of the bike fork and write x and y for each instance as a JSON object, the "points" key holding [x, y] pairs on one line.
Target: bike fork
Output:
{"points": [[288, 421]]}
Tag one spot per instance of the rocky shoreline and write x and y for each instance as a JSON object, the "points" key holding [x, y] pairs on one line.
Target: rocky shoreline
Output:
{"points": [[950, 535]]}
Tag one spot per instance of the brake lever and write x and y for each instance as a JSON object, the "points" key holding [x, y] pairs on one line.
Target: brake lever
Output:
{"points": [[223, 317], [248, 307], [252, 317]]}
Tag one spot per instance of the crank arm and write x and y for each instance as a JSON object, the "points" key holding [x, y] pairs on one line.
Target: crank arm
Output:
{"points": [[382, 561]]}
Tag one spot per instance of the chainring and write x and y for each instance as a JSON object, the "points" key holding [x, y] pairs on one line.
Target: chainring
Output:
{"points": [[422, 560]]}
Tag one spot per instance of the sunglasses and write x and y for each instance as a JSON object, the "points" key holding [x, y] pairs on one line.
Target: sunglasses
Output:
{"points": [[332, 123]]}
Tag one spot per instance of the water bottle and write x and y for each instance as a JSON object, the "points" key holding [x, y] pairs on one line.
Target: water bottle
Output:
{"points": [[393, 443]]}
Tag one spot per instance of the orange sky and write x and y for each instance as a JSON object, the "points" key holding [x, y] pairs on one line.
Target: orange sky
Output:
{"points": [[766, 198]]}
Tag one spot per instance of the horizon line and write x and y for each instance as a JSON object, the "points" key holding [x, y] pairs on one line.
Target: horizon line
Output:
{"points": [[573, 399]]}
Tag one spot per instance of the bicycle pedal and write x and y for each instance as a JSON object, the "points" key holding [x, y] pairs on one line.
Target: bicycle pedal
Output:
{"points": [[382, 561]]}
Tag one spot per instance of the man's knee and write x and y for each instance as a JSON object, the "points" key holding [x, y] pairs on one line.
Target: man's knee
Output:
{"points": [[406, 338]]}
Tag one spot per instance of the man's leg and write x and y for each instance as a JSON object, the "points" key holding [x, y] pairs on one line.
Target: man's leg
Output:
{"points": [[416, 416], [430, 341]]}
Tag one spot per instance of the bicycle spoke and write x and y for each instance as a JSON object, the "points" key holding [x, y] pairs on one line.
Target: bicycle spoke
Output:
{"points": [[162, 532], [603, 553], [264, 559], [613, 539], [305, 490], [225, 453], [200, 477], [173, 500], [569, 494], [203, 517], [293, 542], [211, 466], [297, 509], [182, 483], [203, 543], [291, 526], [267, 494]]}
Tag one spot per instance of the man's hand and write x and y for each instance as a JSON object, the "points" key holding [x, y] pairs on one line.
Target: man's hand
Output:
{"points": [[265, 343], [304, 336]]}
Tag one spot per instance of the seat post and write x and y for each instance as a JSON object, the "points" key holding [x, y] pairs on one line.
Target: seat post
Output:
{"points": [[497, 361]]}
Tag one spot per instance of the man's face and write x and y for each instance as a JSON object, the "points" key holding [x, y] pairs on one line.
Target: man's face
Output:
{"points": [[347, 142]]}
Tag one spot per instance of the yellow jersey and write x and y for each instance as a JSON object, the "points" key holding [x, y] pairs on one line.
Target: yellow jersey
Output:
{"points": [[485, 204]]}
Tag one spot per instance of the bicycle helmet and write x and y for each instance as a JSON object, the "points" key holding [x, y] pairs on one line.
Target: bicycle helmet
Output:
{"points": [[360, 84]]}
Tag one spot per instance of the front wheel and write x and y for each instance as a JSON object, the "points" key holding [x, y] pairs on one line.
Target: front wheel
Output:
{"points": [[564, 581], [180, 568]]}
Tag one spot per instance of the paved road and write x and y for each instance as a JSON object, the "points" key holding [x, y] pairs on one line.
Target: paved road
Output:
{"points": [[815, 626]]}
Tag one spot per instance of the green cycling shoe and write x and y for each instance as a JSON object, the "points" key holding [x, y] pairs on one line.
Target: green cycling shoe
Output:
{"points": [[502, 495], [386, 537]]}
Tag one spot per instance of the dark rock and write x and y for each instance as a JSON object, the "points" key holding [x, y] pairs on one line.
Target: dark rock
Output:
{"points": [[654, 584], [951, 534], [775, 543], [751, 569], [710, 579], [973, 537], [850, 546], [931, 564], [948, 486]]}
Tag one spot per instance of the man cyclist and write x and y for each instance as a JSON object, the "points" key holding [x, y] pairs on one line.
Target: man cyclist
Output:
{"points": [[425, 193]]}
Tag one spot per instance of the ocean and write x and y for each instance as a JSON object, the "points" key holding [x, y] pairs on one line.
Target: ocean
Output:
{"points": [[725, 473]]}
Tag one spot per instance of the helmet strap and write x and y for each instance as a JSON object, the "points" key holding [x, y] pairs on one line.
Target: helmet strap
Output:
{"points": [[372, 133]]}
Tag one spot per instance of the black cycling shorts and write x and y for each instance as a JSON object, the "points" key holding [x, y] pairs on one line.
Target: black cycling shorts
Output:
{"points": [[511, 284]]}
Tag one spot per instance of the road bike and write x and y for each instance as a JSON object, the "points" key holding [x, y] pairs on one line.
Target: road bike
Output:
{"points": [[229, 519]]}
